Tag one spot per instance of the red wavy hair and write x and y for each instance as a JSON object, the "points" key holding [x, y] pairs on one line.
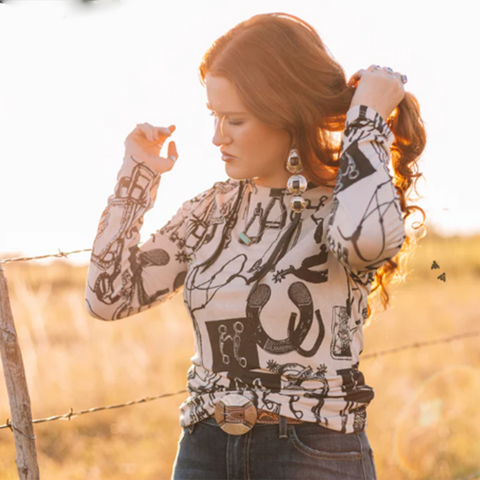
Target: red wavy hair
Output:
{"points": [[287, 78]]}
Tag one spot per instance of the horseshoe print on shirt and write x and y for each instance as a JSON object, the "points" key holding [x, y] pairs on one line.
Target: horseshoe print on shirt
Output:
{"points": [[281, 320]]}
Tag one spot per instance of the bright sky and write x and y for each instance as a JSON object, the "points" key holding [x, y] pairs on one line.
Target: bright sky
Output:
{"points": [[75, 81]]}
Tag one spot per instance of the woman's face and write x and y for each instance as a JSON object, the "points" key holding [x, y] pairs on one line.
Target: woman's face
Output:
{"points": [[260, 151]]}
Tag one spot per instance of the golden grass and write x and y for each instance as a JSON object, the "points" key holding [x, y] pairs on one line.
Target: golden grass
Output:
{"points": [[422, 424]]}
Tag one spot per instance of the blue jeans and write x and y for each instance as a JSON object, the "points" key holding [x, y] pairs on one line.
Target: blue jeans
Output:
{"points": [[304, 451]]}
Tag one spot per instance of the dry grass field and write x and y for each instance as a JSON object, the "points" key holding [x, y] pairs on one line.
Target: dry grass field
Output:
{"points": [[424, 422]]}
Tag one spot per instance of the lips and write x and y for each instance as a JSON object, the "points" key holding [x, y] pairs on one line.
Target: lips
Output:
{"points": [[226, 157], [226, 154]]}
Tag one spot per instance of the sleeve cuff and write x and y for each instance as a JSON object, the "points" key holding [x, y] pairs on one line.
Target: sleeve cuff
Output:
{"points": [[368, 116]]}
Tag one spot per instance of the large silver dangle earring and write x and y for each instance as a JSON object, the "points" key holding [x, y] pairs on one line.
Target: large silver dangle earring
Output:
{"points": [[296, 184]]}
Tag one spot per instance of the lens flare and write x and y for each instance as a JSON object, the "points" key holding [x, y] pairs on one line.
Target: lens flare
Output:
{"points": [[436, 428]]}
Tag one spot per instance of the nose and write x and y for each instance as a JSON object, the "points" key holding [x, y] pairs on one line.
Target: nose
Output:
{"points": [[220, 137]]}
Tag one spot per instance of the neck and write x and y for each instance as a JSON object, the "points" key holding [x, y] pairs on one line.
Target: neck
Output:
{"points": [[275, 183]]}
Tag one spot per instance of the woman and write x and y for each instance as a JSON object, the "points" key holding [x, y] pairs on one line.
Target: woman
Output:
{"points": [[277, 261]]}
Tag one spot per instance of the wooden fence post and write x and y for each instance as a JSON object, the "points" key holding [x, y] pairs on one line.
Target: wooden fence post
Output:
{"points": [[17, 389]]}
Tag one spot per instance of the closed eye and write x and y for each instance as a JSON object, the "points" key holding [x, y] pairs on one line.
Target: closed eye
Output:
{"points": [[212, 114]]}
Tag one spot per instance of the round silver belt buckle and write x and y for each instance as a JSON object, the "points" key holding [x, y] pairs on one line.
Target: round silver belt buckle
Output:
{"points": [[235, 414]]}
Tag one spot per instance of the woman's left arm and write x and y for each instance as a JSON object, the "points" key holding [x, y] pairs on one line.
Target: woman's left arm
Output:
{"points": [[366, 227]]}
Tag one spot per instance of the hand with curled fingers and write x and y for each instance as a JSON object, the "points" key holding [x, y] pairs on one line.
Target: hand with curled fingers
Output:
{"points": [[145, 143], [379, 88]]}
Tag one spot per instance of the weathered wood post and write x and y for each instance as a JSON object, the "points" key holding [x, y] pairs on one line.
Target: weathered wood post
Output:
{"points": [[17, 389]]}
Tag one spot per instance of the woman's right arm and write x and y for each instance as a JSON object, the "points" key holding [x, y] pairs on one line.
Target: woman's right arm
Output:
{"points": [[125, 278]]}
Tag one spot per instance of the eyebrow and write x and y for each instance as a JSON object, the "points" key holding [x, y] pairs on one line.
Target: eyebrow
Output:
{"points": [[224, 113]]}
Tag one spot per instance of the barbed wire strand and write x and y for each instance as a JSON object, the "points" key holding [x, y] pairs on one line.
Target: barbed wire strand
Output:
{"points": [[421, 344], [59, 254], [71, 414]]}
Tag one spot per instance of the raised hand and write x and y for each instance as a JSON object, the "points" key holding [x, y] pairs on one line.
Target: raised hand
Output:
{"points": [[378, 88], [145, 143]]}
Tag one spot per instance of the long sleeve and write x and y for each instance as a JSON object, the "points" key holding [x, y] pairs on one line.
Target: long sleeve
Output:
{"points": [[365, 227], [125, 278]]}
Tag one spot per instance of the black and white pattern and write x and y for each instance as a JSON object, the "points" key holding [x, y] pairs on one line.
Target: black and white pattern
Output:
{"points": [[280, 321]]}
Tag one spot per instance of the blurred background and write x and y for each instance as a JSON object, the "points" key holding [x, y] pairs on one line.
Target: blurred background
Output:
{"points": [[77, 77]]}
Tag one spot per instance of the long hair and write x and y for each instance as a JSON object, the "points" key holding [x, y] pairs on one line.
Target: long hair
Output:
{"points": [[288, 79]]}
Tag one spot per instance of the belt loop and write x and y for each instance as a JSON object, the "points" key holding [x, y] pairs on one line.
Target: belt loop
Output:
{"points": [[191, 428], [282, 427]]}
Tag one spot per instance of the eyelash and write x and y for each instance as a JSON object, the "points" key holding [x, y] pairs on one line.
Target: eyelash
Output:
{"points": [[212, 114]]}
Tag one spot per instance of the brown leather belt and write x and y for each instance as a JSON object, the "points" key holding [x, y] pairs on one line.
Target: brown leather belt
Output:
{"points": [[236, 415], [264, 416]]}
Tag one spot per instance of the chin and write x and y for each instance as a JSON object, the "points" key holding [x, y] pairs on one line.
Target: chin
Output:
{"points": [[234, 174]]}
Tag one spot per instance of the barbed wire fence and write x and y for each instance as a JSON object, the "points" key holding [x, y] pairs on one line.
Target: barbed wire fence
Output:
{"points": [[22, 425], [72, 414]]}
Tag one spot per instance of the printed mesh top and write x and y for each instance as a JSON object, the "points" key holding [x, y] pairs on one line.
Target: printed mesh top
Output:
{"points": [[279, 321]]}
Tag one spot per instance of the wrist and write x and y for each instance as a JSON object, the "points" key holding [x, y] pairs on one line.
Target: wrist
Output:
{"points": [[378, 109]]}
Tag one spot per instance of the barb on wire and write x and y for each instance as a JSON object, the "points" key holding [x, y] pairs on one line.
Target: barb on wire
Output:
{"points": [[421, 344], [71, 414], [11, 426], [59, 254]]}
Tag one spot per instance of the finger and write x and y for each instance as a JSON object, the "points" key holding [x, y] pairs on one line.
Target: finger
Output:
{"points": [[172, 150], [399, 76], [388, 70], [356, 77], [161, 133], [140, 130], [143, 130], [163, 130], [156, 134], [150, 132]]}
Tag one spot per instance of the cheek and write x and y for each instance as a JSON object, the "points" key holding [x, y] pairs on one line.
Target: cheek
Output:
{"points": [[248, 137], [274, 146], [259, 141]]}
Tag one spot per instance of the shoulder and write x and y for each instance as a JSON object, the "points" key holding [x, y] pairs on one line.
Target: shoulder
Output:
{"points": [[226, 189], [220, 190]]}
